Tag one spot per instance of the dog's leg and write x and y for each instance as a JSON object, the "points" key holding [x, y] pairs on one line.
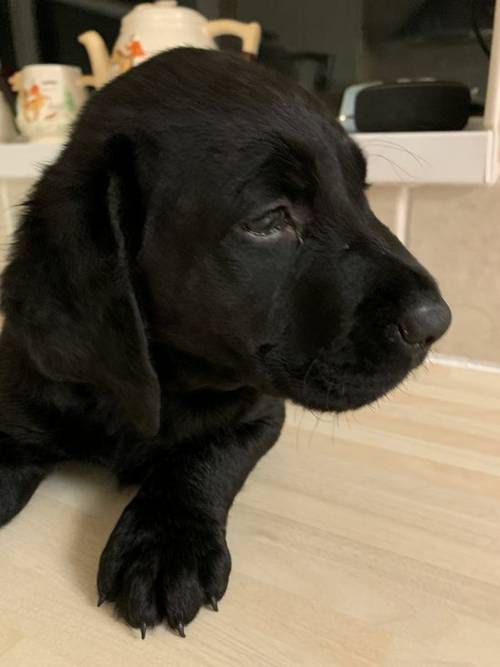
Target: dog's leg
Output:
{"points": [[22, 468], [167, 556], [17, 485]]}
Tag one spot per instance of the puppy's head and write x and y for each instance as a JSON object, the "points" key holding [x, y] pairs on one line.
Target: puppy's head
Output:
{"points": [[218, 207], [263, 260]]}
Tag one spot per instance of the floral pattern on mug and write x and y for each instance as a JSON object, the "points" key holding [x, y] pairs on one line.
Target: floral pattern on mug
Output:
{"points": [[32, 102]]}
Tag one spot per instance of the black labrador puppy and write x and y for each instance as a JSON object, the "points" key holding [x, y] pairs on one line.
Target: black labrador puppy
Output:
{"points": [[201, 251]]}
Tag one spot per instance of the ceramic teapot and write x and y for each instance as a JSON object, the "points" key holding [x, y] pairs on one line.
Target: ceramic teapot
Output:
{"points": [[159, 26]]}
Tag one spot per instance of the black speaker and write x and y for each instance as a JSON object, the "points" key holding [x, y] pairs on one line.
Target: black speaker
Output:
{"points": [[412, 106]]}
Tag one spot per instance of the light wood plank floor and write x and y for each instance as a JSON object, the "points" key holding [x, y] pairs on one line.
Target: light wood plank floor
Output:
{"points": [[373, 539]]}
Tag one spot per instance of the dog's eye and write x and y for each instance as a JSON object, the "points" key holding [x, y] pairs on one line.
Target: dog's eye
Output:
{"points": [[273, 222]]}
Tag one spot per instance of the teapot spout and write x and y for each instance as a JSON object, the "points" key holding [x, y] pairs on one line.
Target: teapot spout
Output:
{"points": [[99, 59]]}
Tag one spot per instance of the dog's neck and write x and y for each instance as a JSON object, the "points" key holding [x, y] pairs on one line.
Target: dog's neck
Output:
{"points": [[182, 372]]}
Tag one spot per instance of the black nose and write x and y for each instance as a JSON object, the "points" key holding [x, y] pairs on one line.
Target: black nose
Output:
{"points": [[425, 322]]}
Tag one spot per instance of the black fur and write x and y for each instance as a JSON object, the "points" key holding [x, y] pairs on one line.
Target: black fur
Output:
{"points": [[202, 250]]}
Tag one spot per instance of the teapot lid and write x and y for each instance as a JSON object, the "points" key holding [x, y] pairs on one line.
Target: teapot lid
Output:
{"points": [[159, 4], [154, 12]]}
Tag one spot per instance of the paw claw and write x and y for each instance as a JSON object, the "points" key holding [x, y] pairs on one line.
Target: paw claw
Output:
{"points": [[146, 587]]}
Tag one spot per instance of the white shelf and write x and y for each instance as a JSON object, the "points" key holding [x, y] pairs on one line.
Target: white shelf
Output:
{"points": [[411, 158], [26, 160], [408, 158]]}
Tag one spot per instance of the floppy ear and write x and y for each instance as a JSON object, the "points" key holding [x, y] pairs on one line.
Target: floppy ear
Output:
{"points": [[68, 291]]}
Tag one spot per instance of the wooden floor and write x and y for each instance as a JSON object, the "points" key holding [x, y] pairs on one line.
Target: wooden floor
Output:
{"points": [[373, 539]]}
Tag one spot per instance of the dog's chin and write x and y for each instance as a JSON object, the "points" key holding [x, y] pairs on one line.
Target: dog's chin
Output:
{"points": [[332, 386], [343, 397], [340, 392]]}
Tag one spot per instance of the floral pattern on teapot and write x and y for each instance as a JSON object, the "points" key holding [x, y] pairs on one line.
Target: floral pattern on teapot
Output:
{"points": [[124, 58]]}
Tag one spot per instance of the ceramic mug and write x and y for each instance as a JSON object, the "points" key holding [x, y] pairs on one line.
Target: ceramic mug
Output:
{"points": [[48, 101]]}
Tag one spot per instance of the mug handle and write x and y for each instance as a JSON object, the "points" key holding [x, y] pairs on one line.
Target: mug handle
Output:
{"points": [[249, 33], [16, 81]]}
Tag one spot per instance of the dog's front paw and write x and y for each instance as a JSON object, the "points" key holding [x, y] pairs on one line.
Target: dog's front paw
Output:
{"points": [[157, 568]]}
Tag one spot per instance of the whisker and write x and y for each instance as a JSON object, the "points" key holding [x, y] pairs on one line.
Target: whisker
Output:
{"points": [[304, 381], [398, 147], [313, 432], [299, 429], [394, 165]]}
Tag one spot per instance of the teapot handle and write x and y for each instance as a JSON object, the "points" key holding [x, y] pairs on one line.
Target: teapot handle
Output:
{"points": [[88, 80], [249, 33]]}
